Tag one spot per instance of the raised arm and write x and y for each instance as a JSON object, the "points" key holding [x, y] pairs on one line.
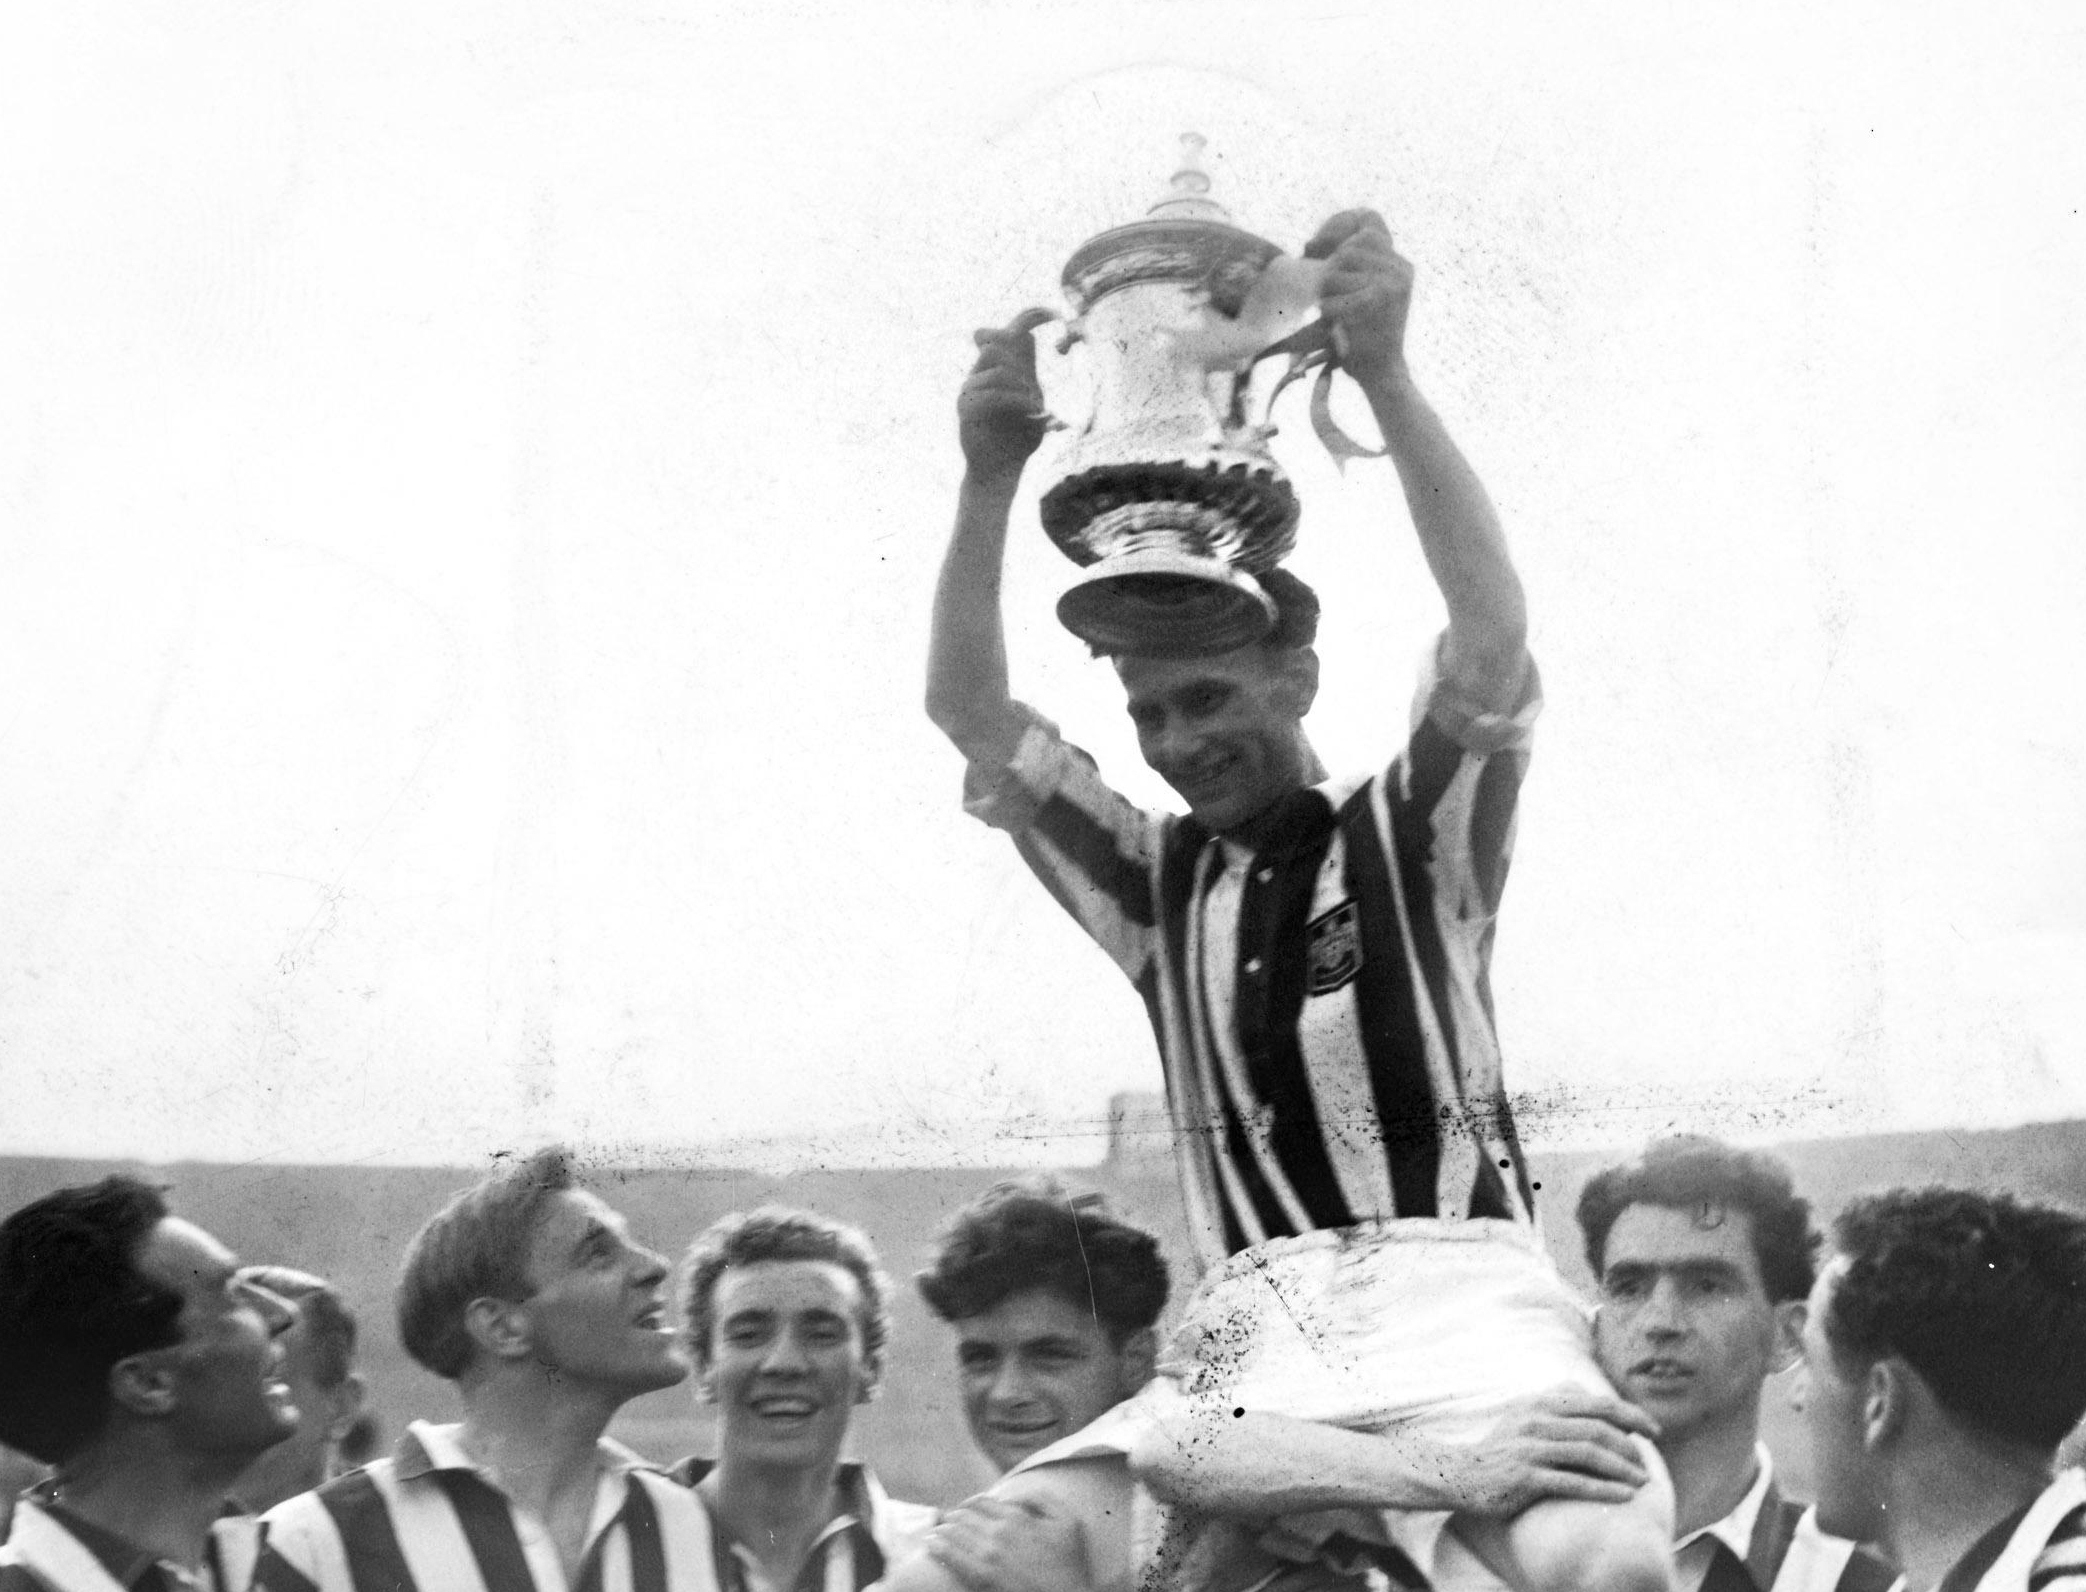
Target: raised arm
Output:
{"points": [[999, 422], [1366, 294]]}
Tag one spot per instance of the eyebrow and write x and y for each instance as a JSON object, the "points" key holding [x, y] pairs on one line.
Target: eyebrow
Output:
{"points": [[1704, 1266]]}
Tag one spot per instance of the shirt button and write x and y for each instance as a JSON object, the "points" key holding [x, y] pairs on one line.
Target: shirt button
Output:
{"points": [[1265, 875], [1253, 966]]}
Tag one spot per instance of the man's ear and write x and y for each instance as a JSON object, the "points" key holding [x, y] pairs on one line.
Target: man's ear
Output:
{"points": [[1140, 1359], [1790, 1316], [1886, 1402], [1297, 679], [348, 1400], [143, 1384], [499, 1327]]}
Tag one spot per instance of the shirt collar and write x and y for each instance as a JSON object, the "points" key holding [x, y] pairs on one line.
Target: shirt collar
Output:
{"points": [[1735, 1530], [1295, 823], [861, 1494], [427, 1448], [127, 1563]]}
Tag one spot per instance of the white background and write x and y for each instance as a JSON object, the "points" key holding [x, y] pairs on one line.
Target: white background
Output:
{"points": [[471, 478]]}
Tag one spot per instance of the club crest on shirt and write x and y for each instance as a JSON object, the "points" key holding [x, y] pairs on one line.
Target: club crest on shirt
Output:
{"points": [[1333, 949]]}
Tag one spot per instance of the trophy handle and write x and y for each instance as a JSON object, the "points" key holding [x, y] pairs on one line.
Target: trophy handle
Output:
{"points": [[1075, 332], [1316, 346]]}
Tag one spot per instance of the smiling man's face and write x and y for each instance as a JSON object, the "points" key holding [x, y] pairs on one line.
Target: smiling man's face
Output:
{"points": [[1226, 732], [231, 1400], [1037, 1367], [788, 1360], [1686, 1330]]}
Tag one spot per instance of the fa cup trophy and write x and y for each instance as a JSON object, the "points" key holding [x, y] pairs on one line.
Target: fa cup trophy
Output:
{"points": [[1167, 493]]}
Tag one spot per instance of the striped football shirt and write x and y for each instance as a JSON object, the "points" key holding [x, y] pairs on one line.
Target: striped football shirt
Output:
{"points": [[1320, 990], [869, 1533], [2041, 1547], [1770, 1543], [428, 1519]]}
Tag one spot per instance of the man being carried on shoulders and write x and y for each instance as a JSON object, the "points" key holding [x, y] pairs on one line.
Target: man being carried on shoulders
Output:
{"points": [[1054, 1301], [1703, 1255], [529, 1294], [1944, 1360], [784, 1312], [1314, 957]]}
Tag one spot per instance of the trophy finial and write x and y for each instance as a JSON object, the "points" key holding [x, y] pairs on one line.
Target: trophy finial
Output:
{"points": [[1188, 194]]}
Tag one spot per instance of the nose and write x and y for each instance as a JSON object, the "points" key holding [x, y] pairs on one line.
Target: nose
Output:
{"points": [[279, 1313], [1010, 1388], [785, 1355], [1664, 1314], [649, 1268], [1170, 742]]}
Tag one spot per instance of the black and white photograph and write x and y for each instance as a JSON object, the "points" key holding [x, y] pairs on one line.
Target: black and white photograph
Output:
{"points": [[1004, 795]]}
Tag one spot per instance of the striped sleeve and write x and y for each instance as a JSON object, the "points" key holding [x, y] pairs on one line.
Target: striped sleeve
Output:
{"points": [[1092, 848], [2061, 1566], [1460, 775]]}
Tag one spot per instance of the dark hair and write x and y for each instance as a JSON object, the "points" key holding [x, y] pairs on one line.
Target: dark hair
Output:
{"points": [[1699, 1174], [1032, 1233], [1296, 610], [475, 1247], [777, 1232], [73, 1304], [1982, 1295], [329, 1323]]}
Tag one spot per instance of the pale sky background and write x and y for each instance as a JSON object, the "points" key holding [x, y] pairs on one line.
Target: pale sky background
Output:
{"points": [[472, 475]]}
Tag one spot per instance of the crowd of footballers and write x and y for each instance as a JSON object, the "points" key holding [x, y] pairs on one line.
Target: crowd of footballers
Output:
{"points": [[181, 1415]]}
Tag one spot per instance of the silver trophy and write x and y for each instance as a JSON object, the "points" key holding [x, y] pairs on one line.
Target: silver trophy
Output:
{"points": [[1168, 493]]}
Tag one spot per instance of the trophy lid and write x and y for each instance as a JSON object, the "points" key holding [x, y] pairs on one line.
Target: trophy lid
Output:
{"points": [[1186, 237]]}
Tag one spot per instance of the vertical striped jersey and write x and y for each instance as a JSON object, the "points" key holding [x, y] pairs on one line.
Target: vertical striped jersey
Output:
{"points": [[2041, 1547], [871, 1532], [429, 1520], [50, 1549], [1319, 988], [1770, 1543]]}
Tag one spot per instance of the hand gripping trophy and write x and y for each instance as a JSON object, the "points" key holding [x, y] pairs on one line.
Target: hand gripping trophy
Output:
{"points": [[1168, 493]]}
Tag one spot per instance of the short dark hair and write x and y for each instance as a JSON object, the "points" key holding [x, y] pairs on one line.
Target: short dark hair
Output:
{"points": [[1296, 610], [1693, 1173], [72, 1305], [329, 1323], [779, 1232], [1984, 1296], [1033, 1233], [475, 1247]]}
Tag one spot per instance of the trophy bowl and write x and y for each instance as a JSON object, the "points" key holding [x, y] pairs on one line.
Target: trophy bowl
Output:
{"points": [[1167, 494]]}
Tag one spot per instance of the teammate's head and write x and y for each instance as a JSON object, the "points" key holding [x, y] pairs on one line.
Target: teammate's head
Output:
{"points": [[319, 1368], [785, 1313], [1947, 1323], [1702, 1254], [122, 1324], [1226, 731], [1053, 1301], [527, 1273]]}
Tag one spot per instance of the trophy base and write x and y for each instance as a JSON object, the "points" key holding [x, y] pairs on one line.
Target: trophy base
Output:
{"points": [[1160, 603], [1239, 512]]}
